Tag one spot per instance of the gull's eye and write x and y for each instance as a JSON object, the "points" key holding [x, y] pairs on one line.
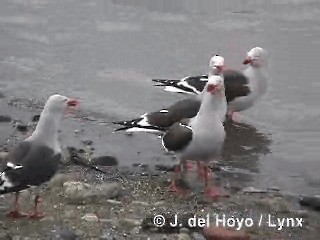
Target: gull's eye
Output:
{"points": [[64, 100]]}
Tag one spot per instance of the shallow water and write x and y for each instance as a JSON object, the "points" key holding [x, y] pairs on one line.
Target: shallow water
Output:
{"points": [[106, 52]]}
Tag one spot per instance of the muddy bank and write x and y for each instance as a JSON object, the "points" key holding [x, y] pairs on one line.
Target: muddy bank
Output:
{"points": [[83, 203]]}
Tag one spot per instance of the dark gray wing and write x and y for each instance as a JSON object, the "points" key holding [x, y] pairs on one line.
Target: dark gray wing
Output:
{"points": [[28, 165], [186, 108], [236, 84], [177, 137], [164, 118]]}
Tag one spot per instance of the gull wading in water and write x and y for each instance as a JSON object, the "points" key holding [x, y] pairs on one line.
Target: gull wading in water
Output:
{"points": [[243, 88], [159, 121], [202, 139]]}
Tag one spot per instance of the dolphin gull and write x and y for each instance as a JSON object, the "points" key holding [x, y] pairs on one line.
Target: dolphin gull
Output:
{"points": [[243, 88], [203, 138], [35, 160], [159, 121]]}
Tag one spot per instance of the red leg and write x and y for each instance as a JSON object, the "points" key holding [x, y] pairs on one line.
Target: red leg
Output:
{"points": [[36, 214], [173, 187], [199, 169], [16, 213], [210, 191], [203, 171], [188, 165]]}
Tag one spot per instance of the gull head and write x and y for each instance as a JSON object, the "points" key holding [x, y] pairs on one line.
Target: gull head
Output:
{"points": [[256, 57]]}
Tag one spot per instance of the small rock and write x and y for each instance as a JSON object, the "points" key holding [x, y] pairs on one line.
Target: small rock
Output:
{"points": [[63, 233], [85, 193], [68, 214], [164, 168], [35, 118], [221, 233], [129, 223], [184, 236], [198, 236], [144, 174], [47, 219], [57, 181], [144, 204], [76, 131], [5, 236], [310, 201], [275, 204], [114, 202], [184, 230], [90, 217], [274, 189], [87, 142], [107, 237], [253, 190], [22, 128], [104, 161], [5, 118], [3, 155], [159, 203]]}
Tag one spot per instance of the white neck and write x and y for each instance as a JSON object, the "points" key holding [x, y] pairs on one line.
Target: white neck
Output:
{"points": [[46, 132], [258, 79], [213, 106]]}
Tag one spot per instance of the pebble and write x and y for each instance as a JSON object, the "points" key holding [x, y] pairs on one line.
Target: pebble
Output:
{"points": [[198, 236], [276, 204], [107, 237], [79, 192], [144, 174], [5, 236], [46, 219], [253, 190], [160, 203], [22, 127], [57, 181], [129, 223], [90, 217], [3, 155], [35, 118], [221, 233], [5, 118], [184, 230], [140, 203], [104, 161], [310, 201], [87, 142], [114, 202], [184, 236]]}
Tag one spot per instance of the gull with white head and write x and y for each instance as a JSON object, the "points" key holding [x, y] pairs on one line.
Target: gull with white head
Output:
{"points": [[202, 139], [35, 160], [243, 88], [159, 121]]}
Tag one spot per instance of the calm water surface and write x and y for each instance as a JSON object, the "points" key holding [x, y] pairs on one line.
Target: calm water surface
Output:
{"points": [[105, 53]]}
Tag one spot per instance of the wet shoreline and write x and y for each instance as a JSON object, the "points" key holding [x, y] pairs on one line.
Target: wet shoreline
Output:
{"points": [[142, 193]]}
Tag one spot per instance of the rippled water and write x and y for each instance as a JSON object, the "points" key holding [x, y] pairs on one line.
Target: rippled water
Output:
{"points": [[106, 52]]}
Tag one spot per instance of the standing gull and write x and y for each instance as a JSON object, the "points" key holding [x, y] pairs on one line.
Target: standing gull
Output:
{"points": [[159, 121], [243, 88], [35, 160], [202, 139]]}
